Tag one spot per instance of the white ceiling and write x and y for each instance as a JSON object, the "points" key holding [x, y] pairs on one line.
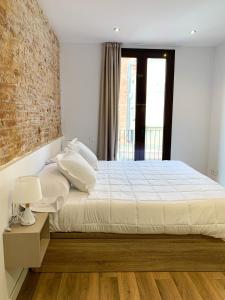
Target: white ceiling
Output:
{"points": [[149, 22]]}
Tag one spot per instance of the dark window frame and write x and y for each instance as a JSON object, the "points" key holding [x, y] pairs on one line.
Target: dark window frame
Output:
{"points": [[141, 84]]}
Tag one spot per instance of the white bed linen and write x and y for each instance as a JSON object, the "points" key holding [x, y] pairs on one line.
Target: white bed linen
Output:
{"points": [[151, 197]]}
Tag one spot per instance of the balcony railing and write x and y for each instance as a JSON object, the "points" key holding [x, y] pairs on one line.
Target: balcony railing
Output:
{"points": [[153, 144]]}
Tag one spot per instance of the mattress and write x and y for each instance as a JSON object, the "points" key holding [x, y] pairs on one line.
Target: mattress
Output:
{"points": [[145, 197]]}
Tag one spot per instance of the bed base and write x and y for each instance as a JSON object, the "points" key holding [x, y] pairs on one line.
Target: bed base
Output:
{"points": [[102, 252]]}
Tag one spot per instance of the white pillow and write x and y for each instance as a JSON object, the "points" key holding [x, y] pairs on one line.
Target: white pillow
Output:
{"points": [[74, 140], [55, 189], [84, 151], [77, 170]]}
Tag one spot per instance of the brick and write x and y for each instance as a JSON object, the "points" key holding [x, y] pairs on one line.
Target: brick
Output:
{"points": [[29, 79]]}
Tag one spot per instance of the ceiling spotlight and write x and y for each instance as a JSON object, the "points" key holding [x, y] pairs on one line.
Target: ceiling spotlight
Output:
{"points": [[116, 29], [194, 31]]}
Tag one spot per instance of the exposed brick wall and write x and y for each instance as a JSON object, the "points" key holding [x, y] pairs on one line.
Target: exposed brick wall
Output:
{"points": [[29, 79]]}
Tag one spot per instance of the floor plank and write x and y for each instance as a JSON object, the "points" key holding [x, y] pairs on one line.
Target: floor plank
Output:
{"points": [[109, 289], [217, 281], [147, 286], [48, 286], [93, 287], [73, 286], [128, 288], [185, 286], [124, 286], [160, 275], [204, 286], [167, 289]]}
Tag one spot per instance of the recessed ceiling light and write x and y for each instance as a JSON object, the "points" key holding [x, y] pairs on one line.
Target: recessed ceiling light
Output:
{"points": [[116, 29], [194, 31]]}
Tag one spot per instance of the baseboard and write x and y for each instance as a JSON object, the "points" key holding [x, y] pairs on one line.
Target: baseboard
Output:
{"points": [[18, 284]]}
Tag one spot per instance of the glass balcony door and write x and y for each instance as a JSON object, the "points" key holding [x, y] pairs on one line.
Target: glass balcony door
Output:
{"points": [[154, 119], [145, 104]]}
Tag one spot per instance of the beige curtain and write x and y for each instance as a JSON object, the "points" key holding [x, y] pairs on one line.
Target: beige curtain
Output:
{"points": [[109, 98]]}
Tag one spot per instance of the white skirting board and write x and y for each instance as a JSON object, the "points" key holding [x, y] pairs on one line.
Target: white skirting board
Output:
{"points": [[18, 285]]}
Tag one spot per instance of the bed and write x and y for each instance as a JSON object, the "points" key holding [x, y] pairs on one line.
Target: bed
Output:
{"points": [[145, 197], [141, 216]]}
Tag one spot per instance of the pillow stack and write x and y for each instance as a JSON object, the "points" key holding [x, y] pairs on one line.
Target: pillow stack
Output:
{"points": [[84, 151], [78, 164], [55, 189]]}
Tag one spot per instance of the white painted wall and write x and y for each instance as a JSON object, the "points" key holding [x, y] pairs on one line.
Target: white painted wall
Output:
{"points": [[217, 129], [28, 165], [192, 104], [80, 82]]}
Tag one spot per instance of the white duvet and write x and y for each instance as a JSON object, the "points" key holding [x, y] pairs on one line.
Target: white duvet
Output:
{"points": [[146, 197]]}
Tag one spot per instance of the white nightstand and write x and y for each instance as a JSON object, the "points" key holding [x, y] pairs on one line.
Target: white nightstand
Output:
{"points": [[25, 246]]}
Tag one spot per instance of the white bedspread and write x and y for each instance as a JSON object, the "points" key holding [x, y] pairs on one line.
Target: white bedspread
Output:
{"points": [[146, 197]]}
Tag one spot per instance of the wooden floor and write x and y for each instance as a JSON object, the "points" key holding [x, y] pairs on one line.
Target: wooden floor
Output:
{"points": [[124, 286]]}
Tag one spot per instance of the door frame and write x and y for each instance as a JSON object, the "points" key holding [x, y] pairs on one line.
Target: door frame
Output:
{"points": [[141, 85]]}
